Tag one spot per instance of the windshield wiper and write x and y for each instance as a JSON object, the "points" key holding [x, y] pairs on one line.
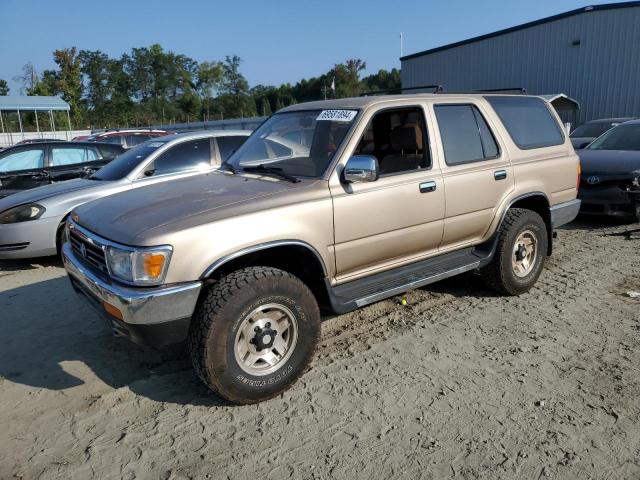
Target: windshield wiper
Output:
{"points": [[278, 172]]}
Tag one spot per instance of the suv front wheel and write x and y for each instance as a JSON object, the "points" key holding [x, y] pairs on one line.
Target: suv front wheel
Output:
{"points": [[520, 253], [254, 334]]}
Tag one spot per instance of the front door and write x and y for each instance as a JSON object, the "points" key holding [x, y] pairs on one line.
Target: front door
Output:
{"points": [[21, 169], [399, 217]]}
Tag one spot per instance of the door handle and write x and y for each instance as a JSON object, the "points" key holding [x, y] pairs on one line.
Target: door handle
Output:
{"points": [[429, 186], [500, 174]]}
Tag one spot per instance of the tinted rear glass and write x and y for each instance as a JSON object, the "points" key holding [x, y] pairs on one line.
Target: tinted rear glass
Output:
{"points": [[528, 121], [466, 137]]}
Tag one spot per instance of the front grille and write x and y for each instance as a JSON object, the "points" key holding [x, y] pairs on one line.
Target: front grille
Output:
{"points": [[90, 254]]}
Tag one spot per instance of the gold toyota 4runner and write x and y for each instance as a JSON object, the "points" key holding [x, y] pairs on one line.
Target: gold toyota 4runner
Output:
{"points": [[328, 206]]}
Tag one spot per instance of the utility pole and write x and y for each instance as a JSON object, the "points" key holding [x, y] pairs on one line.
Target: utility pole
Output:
{"points": [[324, 90], [401, 46]]}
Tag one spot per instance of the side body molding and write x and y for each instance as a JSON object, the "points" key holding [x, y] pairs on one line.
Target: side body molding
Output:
{"points": [[263, 246]]}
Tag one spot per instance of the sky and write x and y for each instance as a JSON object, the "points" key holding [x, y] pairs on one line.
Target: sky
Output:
{"points": [[279, 41]]}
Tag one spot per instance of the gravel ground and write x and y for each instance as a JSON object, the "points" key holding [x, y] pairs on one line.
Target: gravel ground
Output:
{"points": [[460, 383]]}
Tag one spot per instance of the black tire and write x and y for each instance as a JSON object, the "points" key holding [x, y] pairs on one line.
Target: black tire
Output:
{"points": [[500, 273], [59, 237], [213, 330]]}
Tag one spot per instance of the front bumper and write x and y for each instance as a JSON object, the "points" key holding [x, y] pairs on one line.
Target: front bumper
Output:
{"points": [[36, 238], [609, 200], [152, 316]]}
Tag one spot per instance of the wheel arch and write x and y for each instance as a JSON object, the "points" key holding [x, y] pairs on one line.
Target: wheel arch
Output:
{"points": [[539, 203], [294, 256]]}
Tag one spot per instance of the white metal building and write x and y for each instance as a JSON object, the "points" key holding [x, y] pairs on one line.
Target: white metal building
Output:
{"points": [[591, 54]]}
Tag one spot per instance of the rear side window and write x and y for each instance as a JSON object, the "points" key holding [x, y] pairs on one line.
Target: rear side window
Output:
{"points": [[465, 134], [528, 121], [229, 144], [61, 156], [133, 140], [108, 152], [111, 139]]}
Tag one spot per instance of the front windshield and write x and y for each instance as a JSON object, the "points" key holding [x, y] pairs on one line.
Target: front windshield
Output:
{"points": [[300, 143], [591, 129], [124, 164], [622, 137]]}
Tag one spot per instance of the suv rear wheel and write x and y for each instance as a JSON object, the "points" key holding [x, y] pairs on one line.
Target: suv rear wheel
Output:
{"points": [[520, 253], [254, 334]]}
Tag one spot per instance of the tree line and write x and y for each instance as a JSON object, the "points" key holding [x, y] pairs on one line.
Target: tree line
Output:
{"points": [[151, 86]]}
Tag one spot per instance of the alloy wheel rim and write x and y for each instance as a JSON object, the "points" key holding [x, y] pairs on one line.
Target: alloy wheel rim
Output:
{"points": [[266, 339], [525, 252]]}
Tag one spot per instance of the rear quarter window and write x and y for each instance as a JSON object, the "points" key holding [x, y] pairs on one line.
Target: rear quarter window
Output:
{"points": [[528, 120]]}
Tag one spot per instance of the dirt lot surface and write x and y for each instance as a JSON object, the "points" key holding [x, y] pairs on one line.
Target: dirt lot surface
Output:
{"points": [[460, 383]]}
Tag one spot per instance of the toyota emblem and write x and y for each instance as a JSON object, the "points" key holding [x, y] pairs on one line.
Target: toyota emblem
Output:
{"points": [[593, 179], [83, 250]]}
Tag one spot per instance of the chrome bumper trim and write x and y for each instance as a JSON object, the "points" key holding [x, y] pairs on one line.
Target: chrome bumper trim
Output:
{"points": [[139, 306], [564, 213]]}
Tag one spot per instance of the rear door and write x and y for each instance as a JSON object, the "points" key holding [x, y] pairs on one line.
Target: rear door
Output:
{"points": [[22, 169], [73, 161], [476, 171]]}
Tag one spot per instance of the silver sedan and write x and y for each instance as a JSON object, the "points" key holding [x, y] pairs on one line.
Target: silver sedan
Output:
{"points": [[31, 222]]}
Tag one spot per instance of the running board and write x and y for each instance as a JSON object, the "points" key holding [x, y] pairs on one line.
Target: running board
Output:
{"points": [[357, 293]]}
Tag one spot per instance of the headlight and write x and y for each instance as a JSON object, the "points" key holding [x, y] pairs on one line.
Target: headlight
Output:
{"points": [[22, 213], [145, 266]]}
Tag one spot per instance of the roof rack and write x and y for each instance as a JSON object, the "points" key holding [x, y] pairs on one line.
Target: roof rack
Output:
{"points": [[521, 90], [435, 88]]}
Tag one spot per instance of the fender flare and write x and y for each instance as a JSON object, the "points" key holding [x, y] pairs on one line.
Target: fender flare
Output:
{"points": [[260, 247]]}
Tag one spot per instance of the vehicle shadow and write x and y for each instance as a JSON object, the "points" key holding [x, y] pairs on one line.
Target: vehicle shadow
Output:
{"points": [[585, 222], [46, 330], [29, 264]]}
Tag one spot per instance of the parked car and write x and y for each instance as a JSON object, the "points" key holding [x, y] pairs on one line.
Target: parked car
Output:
{"points": [[610, 183], [126, 138], [31, 222], [240, 262], [589, 131], [32, 165]]}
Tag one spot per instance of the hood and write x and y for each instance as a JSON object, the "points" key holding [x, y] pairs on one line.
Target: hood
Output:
{"points": [[126, 216], [609, 162], [39, 194]]}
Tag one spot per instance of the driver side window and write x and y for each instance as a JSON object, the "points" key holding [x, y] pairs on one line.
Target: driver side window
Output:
{"points": [[397, 137], [182, 157], [22, 160]]}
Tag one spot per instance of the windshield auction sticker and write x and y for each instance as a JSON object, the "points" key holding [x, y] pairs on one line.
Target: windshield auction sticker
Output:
{"points": [[337, 115]]}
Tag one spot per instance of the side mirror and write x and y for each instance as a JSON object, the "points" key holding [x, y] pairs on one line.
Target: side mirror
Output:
{"points": [[361, 168]]}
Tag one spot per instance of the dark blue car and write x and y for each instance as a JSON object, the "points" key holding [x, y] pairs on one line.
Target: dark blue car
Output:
{"points": [[609, 184]]}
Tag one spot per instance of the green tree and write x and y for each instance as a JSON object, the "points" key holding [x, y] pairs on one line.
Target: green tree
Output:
{"points": [[383, 80], [94, 65], [234, 90], [70, 80], [347, 77], [209, 75], [266, 107], [4, 87]]}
